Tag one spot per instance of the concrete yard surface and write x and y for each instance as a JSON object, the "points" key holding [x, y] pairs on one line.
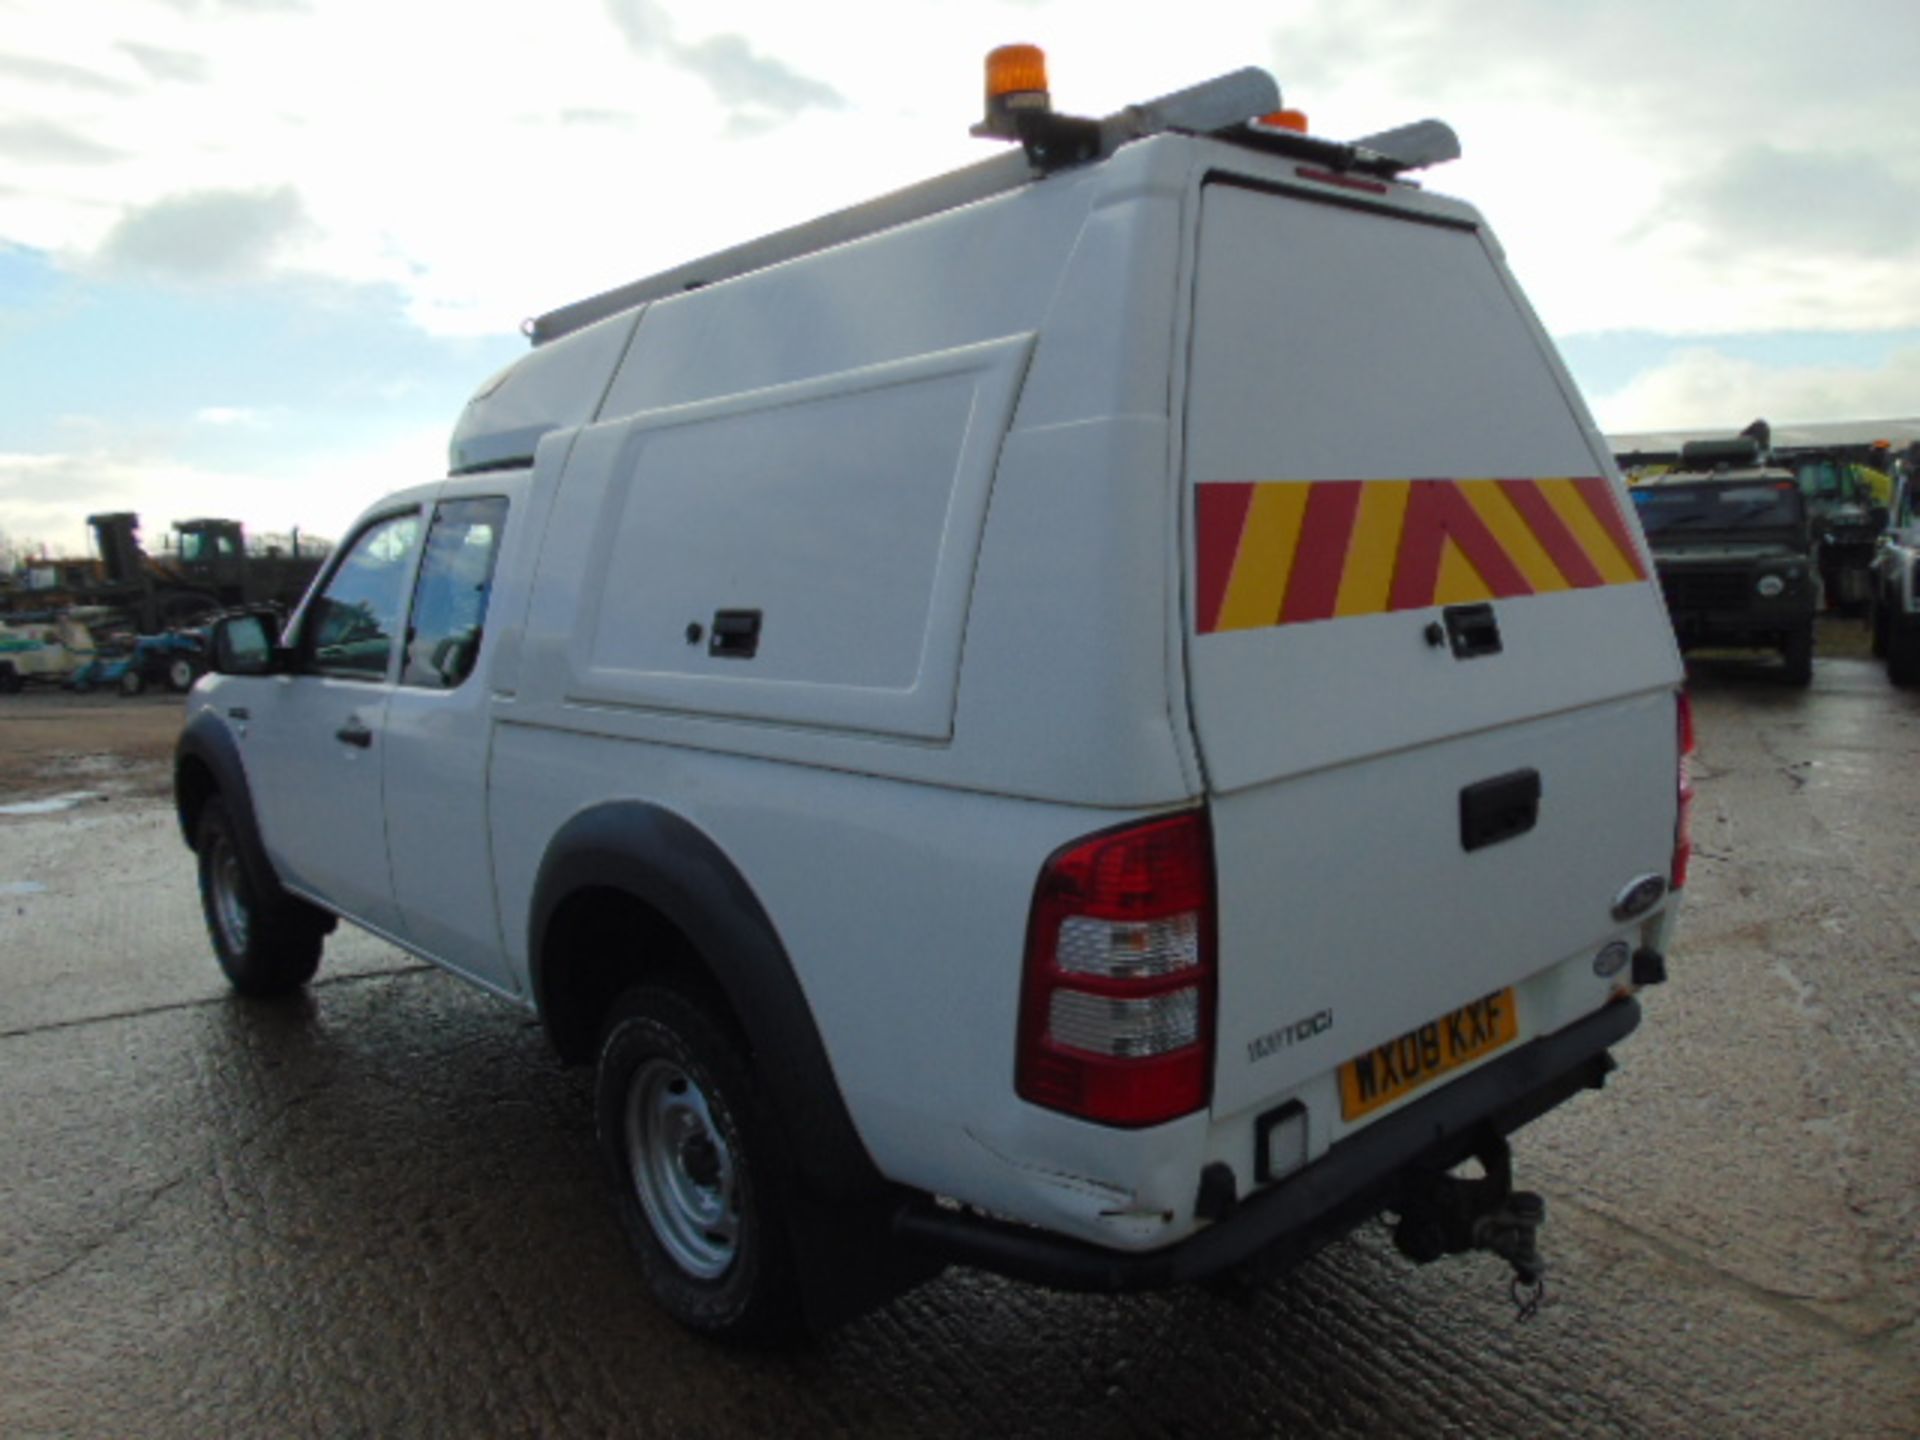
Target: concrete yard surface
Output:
{"points": [[377, 1209]]}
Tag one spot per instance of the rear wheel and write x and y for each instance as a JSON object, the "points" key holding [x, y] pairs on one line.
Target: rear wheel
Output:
{"points": [[1877, 627], [1797, 654], [266, 944], [698, 1170], [181, 673]]}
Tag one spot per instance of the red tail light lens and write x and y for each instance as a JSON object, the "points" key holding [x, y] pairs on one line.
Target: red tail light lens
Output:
{"points": [[1683, 820], [1116, 1010]]}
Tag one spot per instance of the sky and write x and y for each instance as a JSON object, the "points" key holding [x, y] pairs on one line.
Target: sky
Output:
{"points": [[255, 254]]}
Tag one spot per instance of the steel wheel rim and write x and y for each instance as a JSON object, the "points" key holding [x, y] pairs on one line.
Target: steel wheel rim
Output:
{"points": [[683, 1170], [230, 911]]}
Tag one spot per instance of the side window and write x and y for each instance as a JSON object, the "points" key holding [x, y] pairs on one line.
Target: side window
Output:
{"points": [[450, 598], [351, 624]]}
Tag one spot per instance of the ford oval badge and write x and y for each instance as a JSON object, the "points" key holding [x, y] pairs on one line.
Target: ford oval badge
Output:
{"points": [[1639, 897], [1612, 960]]}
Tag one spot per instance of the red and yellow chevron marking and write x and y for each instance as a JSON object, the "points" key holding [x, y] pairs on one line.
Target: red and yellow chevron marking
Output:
{"points": [[1283, 553]]}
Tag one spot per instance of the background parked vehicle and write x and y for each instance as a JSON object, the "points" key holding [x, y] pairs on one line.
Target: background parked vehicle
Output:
{"points": [[1846, 511], [1734, 553], [1842, 469], [172, 661], [208, 565], [50, 651], [1894, 602]]}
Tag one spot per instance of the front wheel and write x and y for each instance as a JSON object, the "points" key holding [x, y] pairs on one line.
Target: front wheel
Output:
{"points": [[697, 1168], [132, 682], [266, 944]]}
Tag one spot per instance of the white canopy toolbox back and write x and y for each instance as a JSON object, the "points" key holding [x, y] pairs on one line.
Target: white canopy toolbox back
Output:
{"points": [[1412, 576]]}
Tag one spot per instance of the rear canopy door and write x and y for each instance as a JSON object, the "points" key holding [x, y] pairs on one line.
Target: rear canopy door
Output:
{"points": [[1378, 441], [1374, 431]]}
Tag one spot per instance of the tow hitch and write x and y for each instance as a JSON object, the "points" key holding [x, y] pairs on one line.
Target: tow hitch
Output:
{"points": [[1441, 1215]]}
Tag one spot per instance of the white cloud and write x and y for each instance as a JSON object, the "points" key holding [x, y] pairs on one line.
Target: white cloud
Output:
{"points": [[757, 89], [59, 75], [164, 64], [230, 417], [207, 235], [36, 143], [1704, 389]]}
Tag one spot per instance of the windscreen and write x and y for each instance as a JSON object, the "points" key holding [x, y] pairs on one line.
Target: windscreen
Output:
{"points": [[1821, 478], [1669, 509]]}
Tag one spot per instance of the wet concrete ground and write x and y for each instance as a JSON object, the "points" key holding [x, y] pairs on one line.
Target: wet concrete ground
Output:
{"points": [[377, 1210]]}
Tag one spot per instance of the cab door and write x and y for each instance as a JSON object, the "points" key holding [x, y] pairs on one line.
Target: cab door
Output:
{"points": [[437, 733], [315, 738]]}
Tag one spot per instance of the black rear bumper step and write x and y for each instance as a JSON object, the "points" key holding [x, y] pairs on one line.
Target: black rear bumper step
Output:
{"points": [[1351, 1183]]}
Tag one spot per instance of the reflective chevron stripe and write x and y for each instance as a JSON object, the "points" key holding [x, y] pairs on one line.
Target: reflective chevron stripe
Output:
{"points": [[1289, 552]]}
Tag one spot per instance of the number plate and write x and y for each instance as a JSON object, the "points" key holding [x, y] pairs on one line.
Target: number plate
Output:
{"points": [[1389, 1072]]}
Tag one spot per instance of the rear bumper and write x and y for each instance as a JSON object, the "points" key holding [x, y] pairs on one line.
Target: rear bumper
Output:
{"points": [[1347, 1186]]}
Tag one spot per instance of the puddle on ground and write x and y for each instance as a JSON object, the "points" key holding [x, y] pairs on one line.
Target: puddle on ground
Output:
{"points": [[53, 804]]}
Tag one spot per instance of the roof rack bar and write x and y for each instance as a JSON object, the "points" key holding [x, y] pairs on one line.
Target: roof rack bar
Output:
{"points": [[915, 202], [1229, 100]]}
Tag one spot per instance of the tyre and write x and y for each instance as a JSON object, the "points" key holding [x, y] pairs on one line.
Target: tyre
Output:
{"points": [[132, 682], [1797, 654], [698, 1170], [1903, 654], [181, 673], [1877, 627], [266, 944], [10, 681]]}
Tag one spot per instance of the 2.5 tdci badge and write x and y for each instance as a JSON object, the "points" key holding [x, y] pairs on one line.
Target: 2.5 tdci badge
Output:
{"points": [[1261, 1046]]}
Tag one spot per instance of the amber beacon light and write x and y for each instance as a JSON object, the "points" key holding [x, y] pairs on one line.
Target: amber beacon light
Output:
{"points": [[1294, 120], [1016, 81]]}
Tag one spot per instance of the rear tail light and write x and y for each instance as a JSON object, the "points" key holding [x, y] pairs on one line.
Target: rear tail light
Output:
{"points": [[1683, 819], [1116, 1009]]}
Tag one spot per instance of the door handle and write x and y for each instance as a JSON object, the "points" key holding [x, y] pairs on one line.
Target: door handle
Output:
{"points": [[735, 634], [355, 732], [1499, 809]]}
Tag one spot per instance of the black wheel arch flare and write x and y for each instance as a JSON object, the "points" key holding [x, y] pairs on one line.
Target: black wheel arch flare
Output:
{"points": [[207, 752], [659, 859]]}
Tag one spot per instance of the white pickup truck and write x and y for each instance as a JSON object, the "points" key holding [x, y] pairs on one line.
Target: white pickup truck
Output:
{"points": [[1103, 718]]}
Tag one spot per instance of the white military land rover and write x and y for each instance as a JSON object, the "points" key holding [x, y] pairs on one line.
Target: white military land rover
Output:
{"points": [[1103, 718]]}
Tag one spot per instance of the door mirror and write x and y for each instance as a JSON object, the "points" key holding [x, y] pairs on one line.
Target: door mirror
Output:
{"points": [[244, 644]]}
